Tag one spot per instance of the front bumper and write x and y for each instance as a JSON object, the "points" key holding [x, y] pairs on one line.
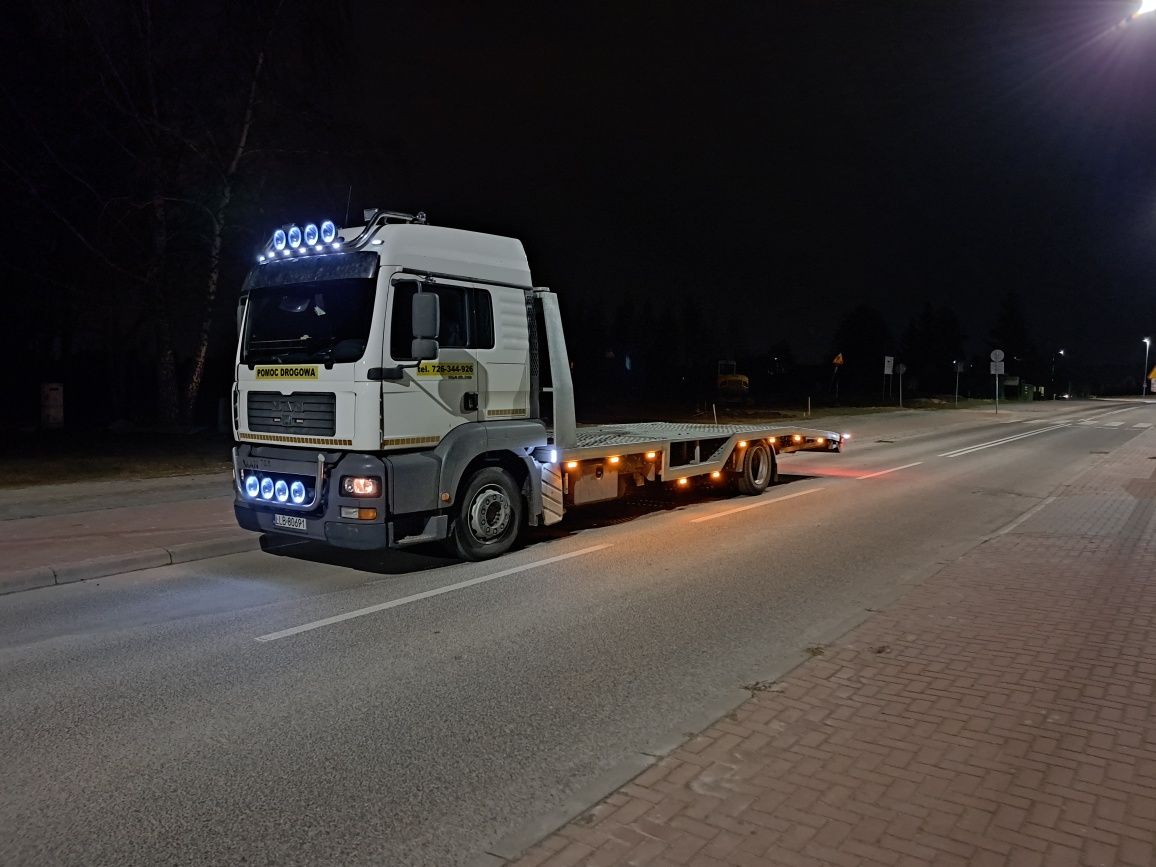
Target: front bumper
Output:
{"points": [[321, 507]]}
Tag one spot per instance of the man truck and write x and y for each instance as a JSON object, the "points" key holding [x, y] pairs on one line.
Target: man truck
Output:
{"points": [[400, 383]]}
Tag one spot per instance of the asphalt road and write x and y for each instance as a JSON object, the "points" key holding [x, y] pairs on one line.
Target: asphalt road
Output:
{"points": [[182, 716]]}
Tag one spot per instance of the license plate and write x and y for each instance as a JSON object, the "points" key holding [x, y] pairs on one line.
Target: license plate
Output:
{"points": [[290, 522]]}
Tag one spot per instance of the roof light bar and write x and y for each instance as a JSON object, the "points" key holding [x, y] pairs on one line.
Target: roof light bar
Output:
{"points": [[313, 238]]}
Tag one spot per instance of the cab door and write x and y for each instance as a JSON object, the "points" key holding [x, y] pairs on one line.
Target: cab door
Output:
{"points": [[438, 395]]}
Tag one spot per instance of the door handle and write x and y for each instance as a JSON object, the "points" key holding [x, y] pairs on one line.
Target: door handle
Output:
{"points": [[470, 401]]}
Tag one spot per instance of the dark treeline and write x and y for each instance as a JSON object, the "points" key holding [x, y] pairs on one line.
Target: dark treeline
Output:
{"points": [[628, 356], [146, 156]]}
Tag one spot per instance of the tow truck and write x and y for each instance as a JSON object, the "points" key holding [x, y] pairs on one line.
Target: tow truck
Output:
{"points": [[400, 383]]}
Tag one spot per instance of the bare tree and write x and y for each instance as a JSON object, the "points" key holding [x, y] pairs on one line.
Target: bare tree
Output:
{"points": [[155, 206]]}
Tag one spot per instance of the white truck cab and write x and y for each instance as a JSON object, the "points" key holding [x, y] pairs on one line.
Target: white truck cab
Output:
{"points": [[400, 383]]}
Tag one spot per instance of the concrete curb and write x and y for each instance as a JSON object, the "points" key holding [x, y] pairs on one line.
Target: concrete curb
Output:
{"points": [[515, 843], [132, 561]]}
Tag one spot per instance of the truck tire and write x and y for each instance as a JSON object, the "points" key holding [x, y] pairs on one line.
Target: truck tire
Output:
{"points": [[489, 515], [757, 470]]}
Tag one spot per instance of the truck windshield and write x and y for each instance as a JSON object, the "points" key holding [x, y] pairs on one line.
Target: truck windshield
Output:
{"points": [[325, 320]]}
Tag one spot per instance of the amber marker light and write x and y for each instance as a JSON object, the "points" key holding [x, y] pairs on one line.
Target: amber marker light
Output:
{"points": [[571, 465], [614, 459], [742, 444], [716, 475], [797, 438], [682, 483], [651, 455]]}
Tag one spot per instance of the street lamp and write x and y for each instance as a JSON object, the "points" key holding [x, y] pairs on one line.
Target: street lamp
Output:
{"points": [[1147, 344], [1147, 7]]}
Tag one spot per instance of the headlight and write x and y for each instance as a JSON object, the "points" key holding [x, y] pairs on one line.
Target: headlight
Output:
{"points": [[328, 232], [297, 493], [252, 486], [279, 239], [267, 488], [281, 489], [310, 234], [294, 237], [361, 486]]}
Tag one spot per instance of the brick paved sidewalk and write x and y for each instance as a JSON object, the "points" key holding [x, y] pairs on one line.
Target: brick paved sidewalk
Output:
{"points": [[1000, 713]]}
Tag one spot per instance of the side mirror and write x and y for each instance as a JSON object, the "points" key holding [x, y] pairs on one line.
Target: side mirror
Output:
{"points": [[423, 349], [427, 315], [426, 324]]}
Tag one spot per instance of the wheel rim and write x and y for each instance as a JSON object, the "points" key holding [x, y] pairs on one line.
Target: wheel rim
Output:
{"points": [[760, 468], [490, 514]]}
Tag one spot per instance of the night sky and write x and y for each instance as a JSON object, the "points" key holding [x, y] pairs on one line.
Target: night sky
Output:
{"points": [[792, 159], [775, 164]]}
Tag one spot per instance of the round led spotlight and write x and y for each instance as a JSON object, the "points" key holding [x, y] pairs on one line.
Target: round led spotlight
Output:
{"points": [[297, 492], [328, 232], [294, 237], [310, 234], [267, 488], [282, 491], [252, 486], [279, 239]]}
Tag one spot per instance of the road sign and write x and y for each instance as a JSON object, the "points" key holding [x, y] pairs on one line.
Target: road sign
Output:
{"points": [[997, 355], [838, 360], [902, 369], [888, 364], [997, 366]]}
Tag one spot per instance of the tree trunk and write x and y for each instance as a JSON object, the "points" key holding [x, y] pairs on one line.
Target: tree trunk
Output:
{"points": [[196, 377]]}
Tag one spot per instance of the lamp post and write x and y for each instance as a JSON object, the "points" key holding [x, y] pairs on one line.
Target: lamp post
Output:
{"points": [[1147, 344], [1054, 354]]}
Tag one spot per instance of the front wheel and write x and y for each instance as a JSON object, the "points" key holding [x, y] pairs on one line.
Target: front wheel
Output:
{"points": [[757, 469], [488, 516]]}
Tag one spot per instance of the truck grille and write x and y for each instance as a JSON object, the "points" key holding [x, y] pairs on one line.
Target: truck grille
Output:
{"points": [[305, 413]]}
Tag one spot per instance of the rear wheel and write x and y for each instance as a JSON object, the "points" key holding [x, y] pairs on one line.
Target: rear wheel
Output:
{"points": [[488, 516], [757, 469]]}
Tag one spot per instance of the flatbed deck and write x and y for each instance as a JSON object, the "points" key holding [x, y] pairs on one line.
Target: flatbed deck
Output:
{"points": [[597, 441]]}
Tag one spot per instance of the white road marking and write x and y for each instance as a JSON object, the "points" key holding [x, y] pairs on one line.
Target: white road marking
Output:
{"points": [[980, 446], [1113, 412], [1007, 528], [754, 505], [892, 470], [1113, 423], [417, 597], [1143, 424]]}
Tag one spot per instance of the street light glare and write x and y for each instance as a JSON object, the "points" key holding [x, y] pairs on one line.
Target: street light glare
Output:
{"points": [[1146, 6]]}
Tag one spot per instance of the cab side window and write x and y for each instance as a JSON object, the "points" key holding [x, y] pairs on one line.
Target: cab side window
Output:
{"points": [[467, 317]]}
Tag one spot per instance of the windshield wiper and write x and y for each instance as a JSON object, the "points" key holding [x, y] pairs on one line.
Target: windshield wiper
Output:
{"points": [[288, 343]]}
